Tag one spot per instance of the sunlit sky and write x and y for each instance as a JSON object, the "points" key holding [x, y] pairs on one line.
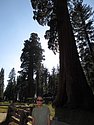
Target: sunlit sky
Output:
{"points": [[16, 25]]}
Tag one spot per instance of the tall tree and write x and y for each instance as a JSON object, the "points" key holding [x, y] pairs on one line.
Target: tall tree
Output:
{"points": [[82, 22], [72, 78], [42, 80], [39, 81], [31, 58], [70, 61], [1, 84], [10, 92]]}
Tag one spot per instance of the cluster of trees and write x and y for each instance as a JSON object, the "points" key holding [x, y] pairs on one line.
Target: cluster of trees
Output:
{"points": [[71, 33], [46, 83], [34, 78]]}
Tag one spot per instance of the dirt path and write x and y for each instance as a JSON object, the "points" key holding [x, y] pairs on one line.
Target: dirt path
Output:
{"points": [[2, 116]]}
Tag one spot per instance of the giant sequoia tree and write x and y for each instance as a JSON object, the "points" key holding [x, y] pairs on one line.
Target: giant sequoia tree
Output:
{"points": [[77, 89], [73, 87], [31, 59]]}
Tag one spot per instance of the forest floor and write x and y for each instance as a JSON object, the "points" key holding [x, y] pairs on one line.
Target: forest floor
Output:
{"points": [[67, 116]]}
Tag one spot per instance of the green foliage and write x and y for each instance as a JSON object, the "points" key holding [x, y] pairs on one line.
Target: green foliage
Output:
{"points": [[32, 53], [45, 14], [31, 58], [43, 10]]}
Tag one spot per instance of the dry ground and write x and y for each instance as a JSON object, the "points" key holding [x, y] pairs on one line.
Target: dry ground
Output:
{"points": [[2, 116]]}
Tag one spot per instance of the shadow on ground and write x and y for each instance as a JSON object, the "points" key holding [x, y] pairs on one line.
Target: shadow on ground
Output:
{"points": [[75, 116]]}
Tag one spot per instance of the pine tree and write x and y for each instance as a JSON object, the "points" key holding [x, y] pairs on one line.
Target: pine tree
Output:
{"points": [[10, 92], [82, 22]]}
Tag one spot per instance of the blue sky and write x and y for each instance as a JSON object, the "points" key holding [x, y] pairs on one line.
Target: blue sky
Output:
{"points": [[16, 24]]}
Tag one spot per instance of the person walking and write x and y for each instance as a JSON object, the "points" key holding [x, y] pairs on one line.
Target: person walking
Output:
{"points": [[41, 113]]}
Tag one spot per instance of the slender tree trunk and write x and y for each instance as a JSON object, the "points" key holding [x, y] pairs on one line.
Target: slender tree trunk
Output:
{"points": [[72, 79], [37, 84], [31, 88]]}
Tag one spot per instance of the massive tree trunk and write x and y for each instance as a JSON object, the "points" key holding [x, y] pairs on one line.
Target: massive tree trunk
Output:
{"points": [[73, 85]]}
